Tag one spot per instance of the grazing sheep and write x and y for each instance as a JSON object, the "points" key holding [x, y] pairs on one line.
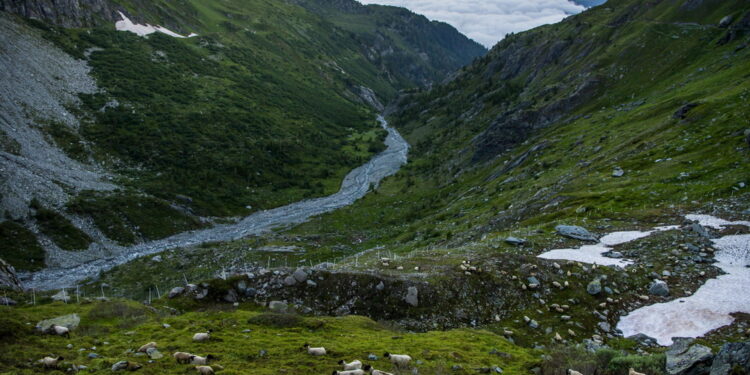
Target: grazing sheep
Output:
{"points": [[350, 372], [633, 372], [198, 360], [314, 351], [202, 336], [146, 347], [59, 330], [373, 371], [182, 357], [401, 361], [353, 365], [572, 372], [205, 370], [49, 362]]}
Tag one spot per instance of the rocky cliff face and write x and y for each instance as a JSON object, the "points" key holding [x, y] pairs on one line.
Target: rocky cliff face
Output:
{"points": [[65, 13], [8, 276]]}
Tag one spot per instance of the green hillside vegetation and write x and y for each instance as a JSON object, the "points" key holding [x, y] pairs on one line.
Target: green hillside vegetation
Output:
{"points": [[244, 339]]}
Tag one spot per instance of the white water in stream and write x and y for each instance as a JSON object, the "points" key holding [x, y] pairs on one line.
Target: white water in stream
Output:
{"points": [[355, 185]]}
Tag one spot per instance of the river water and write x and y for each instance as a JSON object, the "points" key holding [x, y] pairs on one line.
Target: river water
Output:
{"points": [[355, 185]]}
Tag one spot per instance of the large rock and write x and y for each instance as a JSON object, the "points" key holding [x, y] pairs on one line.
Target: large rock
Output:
{"points": [[686, 359], [70, 321], [176, 291], [659, 288], [515, 241], [576, 232], [300, 275], [61, 296], [594, 287], [412, 296], [8, 277], [725, 22], [732, 357], [278, 306]]}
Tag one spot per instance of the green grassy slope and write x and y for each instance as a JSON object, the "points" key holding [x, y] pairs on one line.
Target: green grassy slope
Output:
{"points": [[244, 339]]}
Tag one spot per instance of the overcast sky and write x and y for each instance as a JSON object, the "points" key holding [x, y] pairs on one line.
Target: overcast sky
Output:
{"points": [[487, 21]]}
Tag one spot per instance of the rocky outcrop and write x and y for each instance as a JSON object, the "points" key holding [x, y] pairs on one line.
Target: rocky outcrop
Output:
{"points": [[731, 358], [8, 277], [464, 300], [686, 359], [65, 13], [575, 232]]}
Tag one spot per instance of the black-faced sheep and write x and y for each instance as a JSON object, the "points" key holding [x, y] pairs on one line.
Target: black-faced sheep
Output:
{"points": [[202, 336], [182, 357], [401, 361]]}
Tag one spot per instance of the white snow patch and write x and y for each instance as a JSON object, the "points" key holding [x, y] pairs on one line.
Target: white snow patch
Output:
{"points": [[142, 30], [709, 307], [593, 253], [713, 221]]}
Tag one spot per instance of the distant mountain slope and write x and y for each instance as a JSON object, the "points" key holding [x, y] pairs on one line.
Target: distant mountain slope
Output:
{"points": [[408, 46], [270, 103]]}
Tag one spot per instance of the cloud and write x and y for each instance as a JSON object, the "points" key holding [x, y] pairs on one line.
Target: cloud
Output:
{"points": [[488, 21]]}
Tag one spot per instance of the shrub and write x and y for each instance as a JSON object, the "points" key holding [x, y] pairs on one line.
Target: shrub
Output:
{"points": [[11, 327], [276, 320]]}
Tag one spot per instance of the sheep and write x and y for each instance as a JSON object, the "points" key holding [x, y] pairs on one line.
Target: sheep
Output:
{"points": [[49, 362], [182, 357], [373, 371], [314, 351], [350, 372], [205, 370], [59, 330], [398, 360], [146, 347], [572, 372], [633, 372], [202, 336], [353, 365], [198, 360]]}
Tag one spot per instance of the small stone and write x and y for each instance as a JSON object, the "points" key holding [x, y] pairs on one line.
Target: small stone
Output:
{"points": [[412, 296], [659, 288], [515, 241], [618, 172]]}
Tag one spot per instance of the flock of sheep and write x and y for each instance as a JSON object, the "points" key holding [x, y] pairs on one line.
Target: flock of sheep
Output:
{"points": [[399, 361]]}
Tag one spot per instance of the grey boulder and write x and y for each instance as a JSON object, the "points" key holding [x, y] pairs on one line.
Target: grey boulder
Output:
{"points": [[70, 321], [686, 359], [412, 296], [594, 287], [732, 357], [576, 232], [659, 288]]}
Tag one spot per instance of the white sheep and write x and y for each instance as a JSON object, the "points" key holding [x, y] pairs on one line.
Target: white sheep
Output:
{"points": [[401, 361], [314, 351], [373, 371], [182, 357], [633, 372], [198, 360], [350, 372], [202, 336], [572, 372], [50, 362], [59, 330], [353, 365], [146, 347], [205, 370]]}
